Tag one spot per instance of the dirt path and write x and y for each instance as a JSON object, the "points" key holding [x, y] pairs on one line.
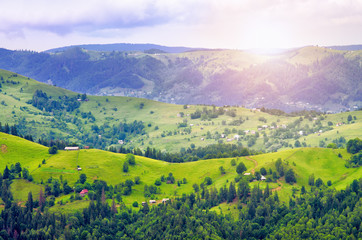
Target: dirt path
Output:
{"points": [[278, 188], [255, 164]]}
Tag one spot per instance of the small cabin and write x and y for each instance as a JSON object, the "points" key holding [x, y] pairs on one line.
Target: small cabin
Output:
{"points": [[152, 201], [247, 174], [165, 200], [143, 203], [79, 169], [262, 178]]}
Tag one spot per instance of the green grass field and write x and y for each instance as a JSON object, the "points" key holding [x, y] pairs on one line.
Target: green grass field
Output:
{"points": [[97, 164]]}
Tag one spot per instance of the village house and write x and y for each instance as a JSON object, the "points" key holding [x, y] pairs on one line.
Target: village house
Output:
{"points": [[165, 200], [83, 192], [71, 148], [152, 201]]}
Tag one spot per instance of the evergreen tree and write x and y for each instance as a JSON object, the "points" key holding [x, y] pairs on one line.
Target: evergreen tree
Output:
{"points": [[240, 168], [6, 174], [29, 204]]}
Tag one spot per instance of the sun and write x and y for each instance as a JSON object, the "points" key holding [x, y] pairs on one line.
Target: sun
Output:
{"points": [[266, 35]]}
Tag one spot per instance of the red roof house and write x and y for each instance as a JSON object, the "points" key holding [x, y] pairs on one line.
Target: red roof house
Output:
{"points": [[83, 192]]}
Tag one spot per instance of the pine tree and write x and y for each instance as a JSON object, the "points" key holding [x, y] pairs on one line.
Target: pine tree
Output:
{"points": [[41, 200], [103, 196], [6, 174], [29, 204], [114, 208]]}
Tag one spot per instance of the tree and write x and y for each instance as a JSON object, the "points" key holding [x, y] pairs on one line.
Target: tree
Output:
{"points": [[137, 180], [311, 180], [257, 175], [231, 193], [82, 178], [53, 150], [29, 204], [41, 200], [240, 168], [290, 176], [196, 187], [25, 173], [263, 171], [18, 168], [243, 189], [125, 167], [6, 173], [319, 182], [222, 170], [130, 158], [233, 163], [349, 118], [297, 144], [208, 180]]}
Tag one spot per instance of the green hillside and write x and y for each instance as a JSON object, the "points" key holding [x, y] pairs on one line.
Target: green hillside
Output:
{"points": [[107, 166], [167, 127]]}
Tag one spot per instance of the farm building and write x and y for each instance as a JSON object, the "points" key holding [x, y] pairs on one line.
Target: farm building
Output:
{"points": [[71, 148], [152, 201]]}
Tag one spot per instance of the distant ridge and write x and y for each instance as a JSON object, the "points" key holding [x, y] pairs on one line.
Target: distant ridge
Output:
{"points": [[346, 48], [126, 47]]}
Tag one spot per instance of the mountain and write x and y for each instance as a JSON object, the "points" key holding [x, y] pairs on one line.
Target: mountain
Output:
{"points": [[125, 47], [346, 48], [307, 78]]}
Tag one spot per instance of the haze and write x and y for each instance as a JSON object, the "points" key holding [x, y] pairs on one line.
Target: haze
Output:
{"points": [[40, 24]]}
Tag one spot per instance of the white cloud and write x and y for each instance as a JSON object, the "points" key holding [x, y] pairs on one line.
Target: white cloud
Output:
{"points": [[228, 23]]}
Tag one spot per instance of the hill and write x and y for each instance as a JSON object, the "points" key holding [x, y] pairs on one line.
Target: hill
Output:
{"points": [[125, 47], [107, 166], [306, 78], [100, 121]]}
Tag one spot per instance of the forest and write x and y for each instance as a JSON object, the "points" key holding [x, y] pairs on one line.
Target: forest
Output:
{"points": [[318, 213]]}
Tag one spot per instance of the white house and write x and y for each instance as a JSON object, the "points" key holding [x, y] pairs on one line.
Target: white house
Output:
{"points": [[152, 201], [71, 148]]}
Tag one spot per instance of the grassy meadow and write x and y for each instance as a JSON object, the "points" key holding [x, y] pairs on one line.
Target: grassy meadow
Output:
{"points": [[97, 164]]}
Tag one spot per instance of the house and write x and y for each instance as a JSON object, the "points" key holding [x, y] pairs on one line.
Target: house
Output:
{"points": [[222, 135], [120, 141], [247, 174], [236, 137], [165, 200], [262, 178], [152, 201], [143, 203], [83, 192], [79, 169], [202, 139], [71, 148], [86, 147]]}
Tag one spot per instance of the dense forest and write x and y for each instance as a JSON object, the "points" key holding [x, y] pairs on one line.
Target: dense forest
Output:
{"points": [[318, 213]]}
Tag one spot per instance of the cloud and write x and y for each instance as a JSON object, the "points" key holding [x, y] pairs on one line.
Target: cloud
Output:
{"points": [[227, 23], [67, 15]]}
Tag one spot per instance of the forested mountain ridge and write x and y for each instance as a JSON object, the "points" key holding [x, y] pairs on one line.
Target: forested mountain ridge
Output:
{"points": [[306, 78]]}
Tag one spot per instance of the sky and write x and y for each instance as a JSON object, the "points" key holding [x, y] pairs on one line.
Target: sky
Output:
{"points": [[234, 24]]}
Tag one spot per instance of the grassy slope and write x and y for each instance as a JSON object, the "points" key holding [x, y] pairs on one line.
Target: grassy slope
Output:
{"points": [[97, 164], [164, 116]]}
